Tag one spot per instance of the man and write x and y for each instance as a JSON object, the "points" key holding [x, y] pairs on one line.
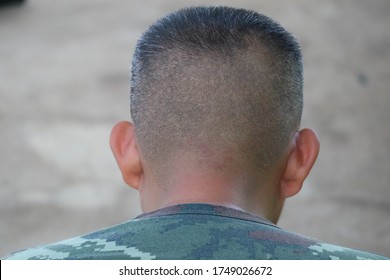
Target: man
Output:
{"points": [[215, 147]]}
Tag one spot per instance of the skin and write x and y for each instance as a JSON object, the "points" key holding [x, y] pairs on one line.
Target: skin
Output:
{"points": [[263, 196]]}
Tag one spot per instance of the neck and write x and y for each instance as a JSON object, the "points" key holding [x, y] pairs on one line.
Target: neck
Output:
{"points": [[230, 190], [208, 191]]}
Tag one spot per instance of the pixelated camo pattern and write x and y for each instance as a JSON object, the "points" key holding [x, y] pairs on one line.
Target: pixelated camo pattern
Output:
{"points": [[192, 231]]}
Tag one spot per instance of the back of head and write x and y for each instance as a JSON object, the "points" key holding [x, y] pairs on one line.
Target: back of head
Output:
{"points": [[222, 86]]}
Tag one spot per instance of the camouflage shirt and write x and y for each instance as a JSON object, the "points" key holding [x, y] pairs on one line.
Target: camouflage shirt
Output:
{"points": [[193, 231]]}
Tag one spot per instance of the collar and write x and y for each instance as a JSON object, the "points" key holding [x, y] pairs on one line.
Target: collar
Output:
{"points": [[205, 209]]}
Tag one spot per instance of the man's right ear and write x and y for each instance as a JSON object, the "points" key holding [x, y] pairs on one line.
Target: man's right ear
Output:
{"points": [[125, 149]]}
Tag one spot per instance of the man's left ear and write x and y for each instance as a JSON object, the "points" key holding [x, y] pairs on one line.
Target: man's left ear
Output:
{"points": [[123, 145], [301, 159]]}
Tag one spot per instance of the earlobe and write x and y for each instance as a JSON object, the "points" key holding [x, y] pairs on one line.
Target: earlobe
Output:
{"points": [[301, 159], [125, 150]]}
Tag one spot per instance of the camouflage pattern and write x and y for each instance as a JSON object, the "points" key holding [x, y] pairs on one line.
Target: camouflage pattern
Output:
{"points": [[193, 231]]}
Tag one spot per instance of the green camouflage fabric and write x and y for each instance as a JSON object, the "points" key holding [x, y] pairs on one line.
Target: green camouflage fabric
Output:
{"points": [[192, 231]]}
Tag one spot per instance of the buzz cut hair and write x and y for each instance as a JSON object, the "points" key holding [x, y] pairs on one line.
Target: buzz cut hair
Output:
{"points": [[217, 83]]}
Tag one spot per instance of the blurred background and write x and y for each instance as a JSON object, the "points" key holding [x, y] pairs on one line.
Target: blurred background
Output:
{"points": [[64, 82]]}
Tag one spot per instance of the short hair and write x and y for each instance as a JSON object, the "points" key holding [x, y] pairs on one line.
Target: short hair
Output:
{"points": [[216, 81]]}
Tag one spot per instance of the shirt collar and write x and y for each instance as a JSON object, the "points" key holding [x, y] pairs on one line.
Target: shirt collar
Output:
{"points": [[205, 209]]}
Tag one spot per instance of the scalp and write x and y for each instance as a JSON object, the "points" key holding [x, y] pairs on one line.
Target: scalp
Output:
{"points": [[226, 79]]}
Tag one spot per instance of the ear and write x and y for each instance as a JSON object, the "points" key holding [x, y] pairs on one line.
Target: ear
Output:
{"points": [[125, 149], [301, 159]]}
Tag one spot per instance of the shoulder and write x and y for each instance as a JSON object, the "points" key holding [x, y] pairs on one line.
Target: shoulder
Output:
{"points": [[193, 232], [212, 232], [94, 246], [54, 251], [334, 252]]}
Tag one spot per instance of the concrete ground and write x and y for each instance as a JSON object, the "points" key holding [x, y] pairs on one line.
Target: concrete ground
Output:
{"points": [[64, 82]]}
